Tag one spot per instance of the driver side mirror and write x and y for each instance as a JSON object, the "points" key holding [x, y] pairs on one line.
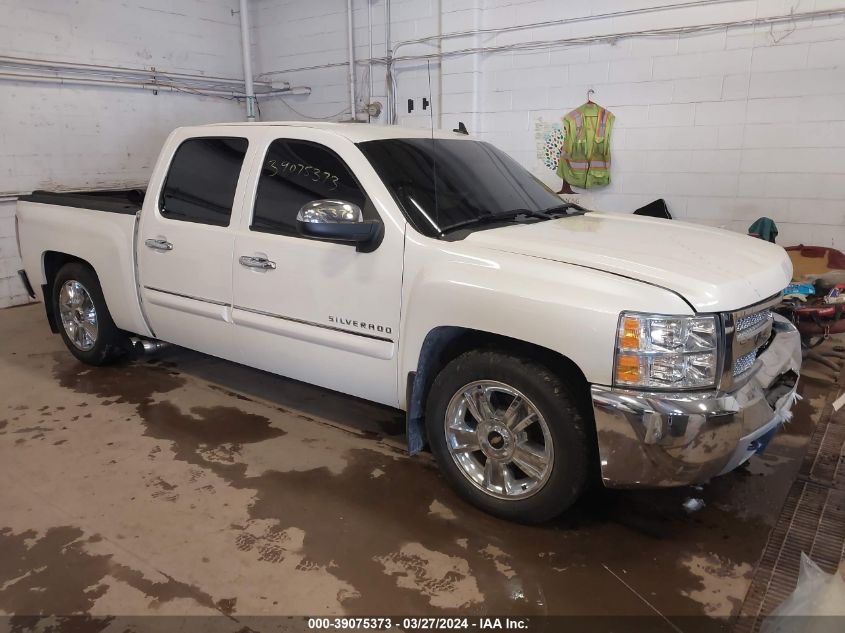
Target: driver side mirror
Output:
{"points": [[339, 221]]}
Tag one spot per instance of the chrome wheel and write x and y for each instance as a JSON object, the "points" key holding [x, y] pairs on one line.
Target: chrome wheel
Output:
{"points": [[499, 440], [78, 314]]}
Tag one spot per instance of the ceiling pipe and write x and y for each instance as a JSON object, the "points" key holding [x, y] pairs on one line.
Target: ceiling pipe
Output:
{"points": [[249, 88], [353, 107], [96, 68]]}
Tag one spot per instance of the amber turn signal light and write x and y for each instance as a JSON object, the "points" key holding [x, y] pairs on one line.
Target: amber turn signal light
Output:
{"points": [[630, 338], [628, 369]]}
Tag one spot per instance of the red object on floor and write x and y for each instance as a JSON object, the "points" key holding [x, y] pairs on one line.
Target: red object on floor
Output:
{"points": [[818, 320]]}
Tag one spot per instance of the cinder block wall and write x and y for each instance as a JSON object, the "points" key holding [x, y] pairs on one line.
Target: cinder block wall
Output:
{"points": [[727, 125], [72, 137]]}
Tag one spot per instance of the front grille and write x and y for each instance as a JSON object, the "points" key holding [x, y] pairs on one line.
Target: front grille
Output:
{"points": [[752, 320], [744, 363], [751, 331]]}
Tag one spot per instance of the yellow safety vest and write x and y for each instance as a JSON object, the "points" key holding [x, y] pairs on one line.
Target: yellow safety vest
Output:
{"points": [[585, 156]]}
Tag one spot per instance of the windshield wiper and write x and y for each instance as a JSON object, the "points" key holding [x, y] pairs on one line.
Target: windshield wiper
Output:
{"points": [[510, 216], [482, 219], [549, 213], [530, 213], [563, 207]]}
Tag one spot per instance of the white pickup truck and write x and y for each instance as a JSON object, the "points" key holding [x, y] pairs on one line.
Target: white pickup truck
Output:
{"points": [[532, 344]]}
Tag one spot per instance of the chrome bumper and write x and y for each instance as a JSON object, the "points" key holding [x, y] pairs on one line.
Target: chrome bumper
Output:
{"points": [[656, 439]]}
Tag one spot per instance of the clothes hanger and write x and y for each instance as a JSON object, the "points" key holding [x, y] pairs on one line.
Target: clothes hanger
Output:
{"points": [[590, 94]]}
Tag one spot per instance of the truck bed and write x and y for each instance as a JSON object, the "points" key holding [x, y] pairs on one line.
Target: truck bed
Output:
{"points": [[97, 227], [126, 201]]}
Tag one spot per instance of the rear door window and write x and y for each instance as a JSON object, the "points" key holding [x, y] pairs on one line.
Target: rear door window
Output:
{"points": [[200, 186]]}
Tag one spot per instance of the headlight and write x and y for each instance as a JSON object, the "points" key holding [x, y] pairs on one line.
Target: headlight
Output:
{"points": [[666, 352]]}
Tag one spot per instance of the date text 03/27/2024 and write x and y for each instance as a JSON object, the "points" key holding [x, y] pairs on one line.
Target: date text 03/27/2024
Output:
{"points": [[419, 624]]}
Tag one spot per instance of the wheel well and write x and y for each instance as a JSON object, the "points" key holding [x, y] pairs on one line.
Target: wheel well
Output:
{"points": [[53, 262], [444, 344]]}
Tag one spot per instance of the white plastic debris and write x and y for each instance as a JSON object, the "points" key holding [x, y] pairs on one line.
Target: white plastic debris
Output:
{"points": [[816, 594], [693, 504], [837, 404]]}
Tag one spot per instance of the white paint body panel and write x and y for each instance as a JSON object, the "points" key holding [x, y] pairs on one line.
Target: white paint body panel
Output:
{"points": [[105, 240], [558, 284], [283, 317], [714, 270], [188, 290], [561, 307]]}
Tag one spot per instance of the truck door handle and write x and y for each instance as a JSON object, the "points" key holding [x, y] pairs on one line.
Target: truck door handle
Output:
{"points": [[159, 245], [257, 262]]}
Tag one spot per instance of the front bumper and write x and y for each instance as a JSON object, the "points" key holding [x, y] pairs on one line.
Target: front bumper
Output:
{"points": [[658, 439]]}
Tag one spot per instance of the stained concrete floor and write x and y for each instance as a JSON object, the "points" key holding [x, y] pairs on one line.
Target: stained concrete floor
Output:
{"points": [[184, 484]]}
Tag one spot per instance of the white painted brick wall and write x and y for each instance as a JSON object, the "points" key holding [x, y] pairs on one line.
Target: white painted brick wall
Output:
{"points": [[727, 125], [81, 137]]}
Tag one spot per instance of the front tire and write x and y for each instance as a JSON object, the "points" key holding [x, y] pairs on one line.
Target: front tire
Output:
{"points": [[507, 435], [83, 318]]}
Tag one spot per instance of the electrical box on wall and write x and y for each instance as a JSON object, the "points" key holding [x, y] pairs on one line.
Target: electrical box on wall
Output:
{"points": [[426, 104]]}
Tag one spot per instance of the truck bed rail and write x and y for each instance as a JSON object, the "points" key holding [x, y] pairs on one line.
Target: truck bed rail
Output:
{"points": [[126, 201]]}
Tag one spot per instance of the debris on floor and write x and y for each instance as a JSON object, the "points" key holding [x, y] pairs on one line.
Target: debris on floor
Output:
{"points": [[816, 594], [693, 504], [810, 532]]}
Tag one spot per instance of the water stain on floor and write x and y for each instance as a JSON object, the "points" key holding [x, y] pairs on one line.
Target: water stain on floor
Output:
{"points": [[327, 518], [53, 573], [244, 505]]}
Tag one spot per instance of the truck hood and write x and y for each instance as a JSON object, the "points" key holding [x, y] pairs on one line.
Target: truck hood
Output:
{"points": [[713, 269]]}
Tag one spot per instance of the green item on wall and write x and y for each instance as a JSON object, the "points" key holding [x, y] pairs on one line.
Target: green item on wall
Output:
{"points": [[585, 159]]}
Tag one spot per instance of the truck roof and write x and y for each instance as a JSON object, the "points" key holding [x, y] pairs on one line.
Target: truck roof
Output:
{"points": [[356, 132]]}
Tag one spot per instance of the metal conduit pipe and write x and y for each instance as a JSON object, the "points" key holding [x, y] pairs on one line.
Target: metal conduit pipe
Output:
{"points": [[388, 88], [390, 60], [370, 61], [247, 58], [156, 78], [164, 87], [6, 60], [353, 105], [611, 37], [547, 23]]}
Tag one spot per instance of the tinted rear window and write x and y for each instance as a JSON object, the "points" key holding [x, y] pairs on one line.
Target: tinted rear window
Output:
{"points": [[200, 186]]}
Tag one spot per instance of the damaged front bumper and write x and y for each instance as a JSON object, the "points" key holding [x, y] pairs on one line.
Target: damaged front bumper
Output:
{"points": [[658, 439]]}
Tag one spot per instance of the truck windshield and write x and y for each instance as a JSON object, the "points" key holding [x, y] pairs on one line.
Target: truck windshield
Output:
{"points": [[473, 184]]}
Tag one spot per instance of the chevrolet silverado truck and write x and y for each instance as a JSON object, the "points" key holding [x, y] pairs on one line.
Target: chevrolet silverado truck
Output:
{"points": [[533, 345]]}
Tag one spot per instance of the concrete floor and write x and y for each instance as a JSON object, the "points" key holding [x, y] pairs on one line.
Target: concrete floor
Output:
{"points": [[188, 485]]}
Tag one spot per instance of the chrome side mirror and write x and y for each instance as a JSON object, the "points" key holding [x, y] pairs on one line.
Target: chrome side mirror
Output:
{"points": [[338, 221], [330, 211]]}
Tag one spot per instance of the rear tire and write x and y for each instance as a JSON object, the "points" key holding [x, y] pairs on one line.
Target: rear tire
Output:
{"points": [[527, 458], [83, 318]]}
